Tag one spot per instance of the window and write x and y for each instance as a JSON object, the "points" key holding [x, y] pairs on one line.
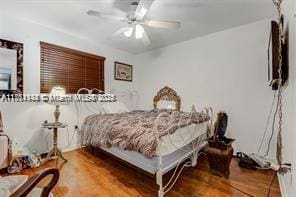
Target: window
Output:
{"points": [[70, 69]]}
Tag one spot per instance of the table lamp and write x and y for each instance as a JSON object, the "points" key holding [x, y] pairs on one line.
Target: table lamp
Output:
{"points": [[57, 97]]}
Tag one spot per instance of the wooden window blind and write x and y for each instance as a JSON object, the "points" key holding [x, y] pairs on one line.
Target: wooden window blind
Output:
{"points": [[70, 69]]}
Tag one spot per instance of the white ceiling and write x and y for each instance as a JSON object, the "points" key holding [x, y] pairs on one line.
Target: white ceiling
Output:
{"points": [[198, 18]]}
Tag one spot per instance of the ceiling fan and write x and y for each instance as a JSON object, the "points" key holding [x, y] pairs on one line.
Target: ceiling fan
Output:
{"points": [[135, 19]]}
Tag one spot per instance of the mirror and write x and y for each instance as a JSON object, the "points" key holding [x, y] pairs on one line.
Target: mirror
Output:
{"points": [[11, 67], [8, 64]]}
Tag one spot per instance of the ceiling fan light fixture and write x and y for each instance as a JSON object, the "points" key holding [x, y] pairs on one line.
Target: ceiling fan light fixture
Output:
{"points": [[135, 19], [139, 32], [129, 32], [142, 12]]}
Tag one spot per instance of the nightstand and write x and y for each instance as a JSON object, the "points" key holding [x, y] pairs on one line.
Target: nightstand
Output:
{"points": [[55, 152]]}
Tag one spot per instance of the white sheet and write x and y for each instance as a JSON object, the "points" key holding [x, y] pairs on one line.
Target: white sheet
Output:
{"points": [[180, 138]]}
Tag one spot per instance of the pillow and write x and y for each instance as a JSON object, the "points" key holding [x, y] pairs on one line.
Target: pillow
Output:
{"points": [[114, 107], [163, 104]]}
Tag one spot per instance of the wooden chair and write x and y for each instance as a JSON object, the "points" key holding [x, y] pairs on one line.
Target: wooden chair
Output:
{"points": [[30, 185]]}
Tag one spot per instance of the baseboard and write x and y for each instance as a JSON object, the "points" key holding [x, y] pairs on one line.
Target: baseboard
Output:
{"points": [[67, 149], [286, 187]]}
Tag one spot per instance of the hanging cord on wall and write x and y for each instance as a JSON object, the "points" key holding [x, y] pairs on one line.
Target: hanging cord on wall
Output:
{"points": [[283, 167], [267, 123], [272, 128], [277, 4], [278, 109]]}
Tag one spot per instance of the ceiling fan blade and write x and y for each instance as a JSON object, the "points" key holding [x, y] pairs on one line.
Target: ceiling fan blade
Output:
{"points": [[103, 15], [139, 31], [143, 8], [120, 31], [145, 39], [163, 24]]}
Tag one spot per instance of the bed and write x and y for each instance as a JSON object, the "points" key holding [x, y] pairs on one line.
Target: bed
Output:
{"points": [[154, 141]]}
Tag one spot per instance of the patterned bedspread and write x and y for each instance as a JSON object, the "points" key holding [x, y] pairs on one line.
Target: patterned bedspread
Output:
{"points": [[134, 130]]}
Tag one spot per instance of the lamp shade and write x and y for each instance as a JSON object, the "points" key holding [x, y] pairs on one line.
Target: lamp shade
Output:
{"points": [[57, 96]]}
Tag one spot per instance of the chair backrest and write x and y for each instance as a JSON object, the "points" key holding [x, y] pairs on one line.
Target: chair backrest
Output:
{"points": [[26, 188], [5, 144], [4, 151], [1, 123]]}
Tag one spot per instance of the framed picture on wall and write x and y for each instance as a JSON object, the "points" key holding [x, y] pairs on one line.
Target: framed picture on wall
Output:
{"points": [[123, 71]]}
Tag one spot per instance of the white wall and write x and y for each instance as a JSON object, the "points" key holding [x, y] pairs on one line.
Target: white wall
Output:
{"points": [[1, 23], [23, 121], [288, 182], [226, 70], [293, 56]]}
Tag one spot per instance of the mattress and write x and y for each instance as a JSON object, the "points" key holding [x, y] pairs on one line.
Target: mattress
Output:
{"points": [[152, 165], [180, 138]]}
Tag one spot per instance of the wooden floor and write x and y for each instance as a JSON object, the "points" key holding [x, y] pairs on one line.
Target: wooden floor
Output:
{"points": [[87, 175]]}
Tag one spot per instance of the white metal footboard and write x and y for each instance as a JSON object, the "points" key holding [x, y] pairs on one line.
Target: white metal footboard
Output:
{"points": [[191, 152]]}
